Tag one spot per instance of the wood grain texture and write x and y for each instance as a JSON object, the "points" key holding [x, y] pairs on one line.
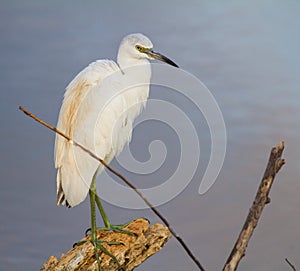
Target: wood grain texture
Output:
{"points": [[131, 253]]}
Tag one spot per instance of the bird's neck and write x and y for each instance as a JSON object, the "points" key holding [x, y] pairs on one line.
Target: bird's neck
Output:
{"points": [[138, 71], [127, 62]]}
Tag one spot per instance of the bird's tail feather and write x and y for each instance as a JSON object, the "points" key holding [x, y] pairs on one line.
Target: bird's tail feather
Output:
{"points": [[60, 200]]}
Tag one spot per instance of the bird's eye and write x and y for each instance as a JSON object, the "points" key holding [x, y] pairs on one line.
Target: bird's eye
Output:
{"points": [[139, 48]]}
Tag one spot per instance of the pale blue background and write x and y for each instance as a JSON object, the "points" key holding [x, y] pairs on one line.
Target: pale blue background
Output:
{"points": [[247, 53]]}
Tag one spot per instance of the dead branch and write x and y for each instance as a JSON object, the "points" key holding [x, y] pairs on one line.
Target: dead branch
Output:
{"points": [[132, 251], [290, 264], [163, 219], [262, 198], [85, 255]]}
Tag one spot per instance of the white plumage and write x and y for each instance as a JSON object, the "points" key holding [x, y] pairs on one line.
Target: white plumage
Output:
{"points": [[98, 110]]}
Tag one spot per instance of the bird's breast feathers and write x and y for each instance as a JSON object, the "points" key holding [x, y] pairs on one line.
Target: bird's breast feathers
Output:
{"points": [[98, 111]]}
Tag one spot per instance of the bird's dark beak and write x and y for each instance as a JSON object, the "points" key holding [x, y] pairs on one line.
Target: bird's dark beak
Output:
{"points": [[154, 55]]}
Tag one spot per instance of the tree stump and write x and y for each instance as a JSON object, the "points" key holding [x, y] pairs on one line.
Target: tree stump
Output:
{"points": [[132, 251]]}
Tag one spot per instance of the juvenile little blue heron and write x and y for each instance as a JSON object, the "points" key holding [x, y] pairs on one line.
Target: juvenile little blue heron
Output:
{"points": [[76, 171]]}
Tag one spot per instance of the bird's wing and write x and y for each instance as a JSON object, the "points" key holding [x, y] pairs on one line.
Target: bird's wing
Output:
{"points": [[79, 119]]}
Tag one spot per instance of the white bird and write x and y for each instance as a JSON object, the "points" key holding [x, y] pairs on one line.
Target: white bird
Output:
{"points": [[102, 122]]}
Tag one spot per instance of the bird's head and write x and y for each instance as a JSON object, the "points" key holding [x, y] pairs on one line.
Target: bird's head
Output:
{"points": [[138, 46]]}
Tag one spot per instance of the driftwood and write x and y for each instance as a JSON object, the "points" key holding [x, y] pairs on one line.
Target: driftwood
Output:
{"points": [[262, 198], [132, 251]]}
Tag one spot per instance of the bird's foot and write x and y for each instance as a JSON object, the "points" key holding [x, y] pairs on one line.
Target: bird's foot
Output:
{"points": [[113, 228], [120, 228], [97, 244], [117, 228]]}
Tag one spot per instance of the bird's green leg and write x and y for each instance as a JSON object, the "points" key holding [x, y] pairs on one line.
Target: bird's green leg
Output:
{"points": [[93, 222], [93, 235], [102, 212], [108, 225]]}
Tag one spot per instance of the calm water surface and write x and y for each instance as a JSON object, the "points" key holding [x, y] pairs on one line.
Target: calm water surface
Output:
{"points": [[248, 56]]}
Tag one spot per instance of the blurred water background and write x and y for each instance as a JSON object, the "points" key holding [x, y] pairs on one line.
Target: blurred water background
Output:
{"points": [[247, 54]]}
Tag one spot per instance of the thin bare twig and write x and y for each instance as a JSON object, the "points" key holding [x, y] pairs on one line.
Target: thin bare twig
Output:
{"points": [[262, 198], [163, 219], [290, 264]]}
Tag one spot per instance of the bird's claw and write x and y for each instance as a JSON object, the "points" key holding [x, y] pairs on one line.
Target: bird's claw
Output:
{"points": [[145, 218], [87, 232]]}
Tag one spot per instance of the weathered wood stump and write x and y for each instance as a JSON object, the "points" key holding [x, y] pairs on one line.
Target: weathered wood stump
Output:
{"points": [[132, 251]]}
